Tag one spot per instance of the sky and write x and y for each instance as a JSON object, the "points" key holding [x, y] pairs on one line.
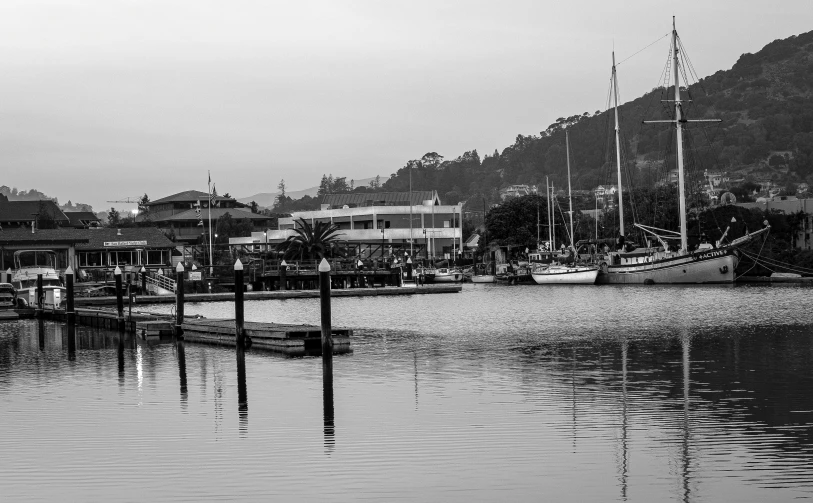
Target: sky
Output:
{"points": [[109, 99]]}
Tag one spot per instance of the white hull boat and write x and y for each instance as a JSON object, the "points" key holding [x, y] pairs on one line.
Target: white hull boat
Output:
{"points": [[484, 278], [28, 265], [444, 275], [564, 275]]}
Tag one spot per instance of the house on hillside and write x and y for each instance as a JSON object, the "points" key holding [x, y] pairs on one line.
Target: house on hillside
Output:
{"points": [[606, 195], [516, 191], [15, 214]]}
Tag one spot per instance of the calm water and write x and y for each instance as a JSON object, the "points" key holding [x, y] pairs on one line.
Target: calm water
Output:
{"points": [[522, 393]]}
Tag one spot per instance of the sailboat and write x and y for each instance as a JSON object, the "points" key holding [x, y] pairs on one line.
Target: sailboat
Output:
{"points": [[664, 264], [570, 274], [481, 273]]}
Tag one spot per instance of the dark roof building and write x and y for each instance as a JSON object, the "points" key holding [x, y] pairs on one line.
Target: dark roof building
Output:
{"points": [[83, 219], [363, 199], [22, 213]]}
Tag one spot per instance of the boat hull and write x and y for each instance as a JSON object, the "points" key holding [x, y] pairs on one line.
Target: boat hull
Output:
{"points": [[716, 266], [456, 277], [567, 276], [484, 278]]}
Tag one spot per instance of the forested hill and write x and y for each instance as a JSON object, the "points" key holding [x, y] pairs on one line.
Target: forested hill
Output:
{"points": [[765, 101]]}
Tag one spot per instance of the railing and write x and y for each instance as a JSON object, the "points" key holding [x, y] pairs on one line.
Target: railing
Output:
{"points": [[159, 281]]}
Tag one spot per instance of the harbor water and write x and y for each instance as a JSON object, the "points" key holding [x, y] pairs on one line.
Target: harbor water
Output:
{"points": [[512, 393]]}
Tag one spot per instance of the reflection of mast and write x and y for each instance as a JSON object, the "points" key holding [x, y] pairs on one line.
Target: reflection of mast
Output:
{"points": [[685, 343], [573, 393], [242, 392], [415, 354], [624, 459]]}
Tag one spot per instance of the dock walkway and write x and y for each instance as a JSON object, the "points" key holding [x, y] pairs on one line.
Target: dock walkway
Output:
{"points": [[276, 294]]}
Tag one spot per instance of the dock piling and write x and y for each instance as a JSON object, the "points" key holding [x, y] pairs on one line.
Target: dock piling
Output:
{"points": [[239, 311], [409, 268], [70, 314], [40, 295], [324, 296], [143, 280], [179, 300], [119, 299], [283, 275]]}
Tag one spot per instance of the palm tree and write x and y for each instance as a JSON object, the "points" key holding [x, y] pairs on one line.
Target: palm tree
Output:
{"points": [[310, 241]]}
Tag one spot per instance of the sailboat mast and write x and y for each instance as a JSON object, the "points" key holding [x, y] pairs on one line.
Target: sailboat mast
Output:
{"points": [[684, 241], [569, 194], [550, 223], [618, 152]]}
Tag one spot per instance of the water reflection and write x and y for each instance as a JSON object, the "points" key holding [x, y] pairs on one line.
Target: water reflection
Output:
{"points": [[71, 341], [694, 415], [179, 349], [327, 404], [41, 333], [242, 392]]}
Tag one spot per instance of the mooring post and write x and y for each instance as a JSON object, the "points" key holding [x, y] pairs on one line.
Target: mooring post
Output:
{"points": [[119, 299], [238, 303], [40, 295], [324, 296], [283, 275], [69, 312], [179, 300], [143, 280], [360, 266], [409, 268]]}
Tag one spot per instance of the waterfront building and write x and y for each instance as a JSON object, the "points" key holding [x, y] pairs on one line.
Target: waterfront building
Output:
{"points": [[92, 252], [177, 214], [24, 213], [605, 195], [378, 224]]}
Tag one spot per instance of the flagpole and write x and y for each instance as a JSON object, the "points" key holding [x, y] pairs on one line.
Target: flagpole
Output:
{"points": [[211, 257]]}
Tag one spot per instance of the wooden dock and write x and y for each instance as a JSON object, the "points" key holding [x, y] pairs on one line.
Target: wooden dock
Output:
{"points": [[296, 340], [277, 295]]}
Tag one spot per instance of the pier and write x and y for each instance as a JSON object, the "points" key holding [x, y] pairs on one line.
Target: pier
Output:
{"points": [[277, 294]]}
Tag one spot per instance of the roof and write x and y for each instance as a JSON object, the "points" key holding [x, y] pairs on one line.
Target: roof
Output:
{"points": [[96, 238], [23, 211], [187, 196], [388, 198], [81, 217], [64, 236], [236, 213]]}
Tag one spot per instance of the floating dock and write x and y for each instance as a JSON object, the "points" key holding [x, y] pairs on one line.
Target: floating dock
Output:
{"points": [[288, 339]]}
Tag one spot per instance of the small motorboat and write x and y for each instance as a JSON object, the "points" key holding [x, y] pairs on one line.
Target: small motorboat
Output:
{"points": [[447, 275]]}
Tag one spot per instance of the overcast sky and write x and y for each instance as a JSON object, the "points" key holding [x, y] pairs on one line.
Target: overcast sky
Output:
{"points": [[101, 100]]}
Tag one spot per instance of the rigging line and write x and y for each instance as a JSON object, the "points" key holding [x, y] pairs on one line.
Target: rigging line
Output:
{"points": [[642, 50], [755, 261], [780, 264]]}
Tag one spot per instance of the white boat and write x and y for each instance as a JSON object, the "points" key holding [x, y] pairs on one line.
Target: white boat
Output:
{"points": [[447, 275], [669, 263], [484, 278], [568, 274], [28, 265], [556, 274]]}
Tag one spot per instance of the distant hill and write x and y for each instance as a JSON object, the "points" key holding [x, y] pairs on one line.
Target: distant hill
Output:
{"points": [[266, 199], [765, 101]]}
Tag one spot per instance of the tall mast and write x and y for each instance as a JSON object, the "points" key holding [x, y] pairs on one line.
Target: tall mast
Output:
{"points": [[618, 152], [684, 241], [410, 211], [550, 223], [569, 195]]}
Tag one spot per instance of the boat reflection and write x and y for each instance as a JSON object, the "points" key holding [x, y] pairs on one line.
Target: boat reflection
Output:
{"points": [[242, 392]]}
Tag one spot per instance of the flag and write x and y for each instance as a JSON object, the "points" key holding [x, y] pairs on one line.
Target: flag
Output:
{"points": [[212, 196]]}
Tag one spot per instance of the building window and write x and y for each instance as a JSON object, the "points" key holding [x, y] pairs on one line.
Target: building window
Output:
{"points": [[90, 259], [156, 257]]}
